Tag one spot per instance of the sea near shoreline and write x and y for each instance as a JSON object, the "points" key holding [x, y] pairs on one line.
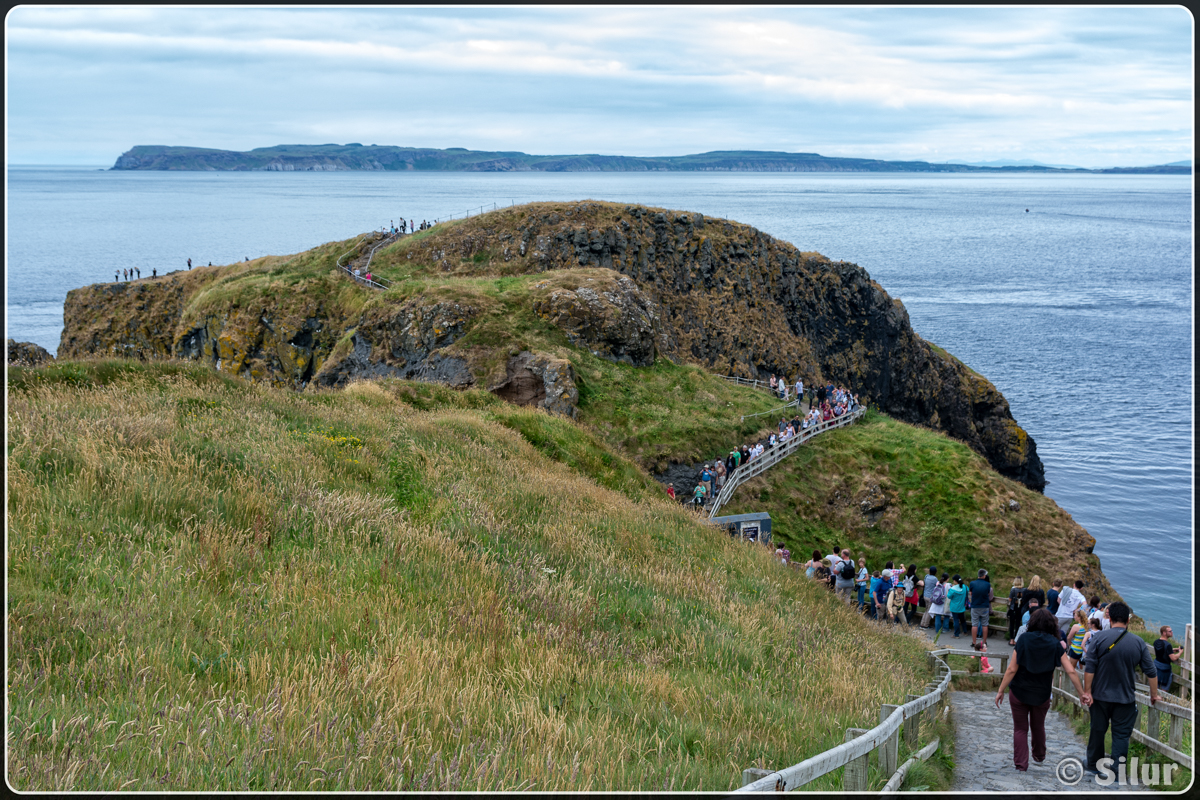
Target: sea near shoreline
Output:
{"points": [[1078, 310]]}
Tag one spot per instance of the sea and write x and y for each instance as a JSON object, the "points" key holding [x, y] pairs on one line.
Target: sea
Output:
{"points": [[1072, 293]]}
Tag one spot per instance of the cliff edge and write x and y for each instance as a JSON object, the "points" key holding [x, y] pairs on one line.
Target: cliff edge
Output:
{"points": [[500, 301]]}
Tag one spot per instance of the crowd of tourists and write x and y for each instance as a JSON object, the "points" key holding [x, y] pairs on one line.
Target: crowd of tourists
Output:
{"points": [[1056, 626], [827, 402]]}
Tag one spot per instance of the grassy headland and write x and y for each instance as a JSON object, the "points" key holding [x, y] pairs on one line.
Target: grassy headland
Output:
{"points": [[220, 585]]}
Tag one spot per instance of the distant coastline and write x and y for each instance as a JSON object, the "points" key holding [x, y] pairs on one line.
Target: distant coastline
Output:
{"points": [[357, 157]]}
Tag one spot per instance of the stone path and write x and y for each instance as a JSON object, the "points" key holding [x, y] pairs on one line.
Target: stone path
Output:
{"points": [[983, 751], [997, 645]]}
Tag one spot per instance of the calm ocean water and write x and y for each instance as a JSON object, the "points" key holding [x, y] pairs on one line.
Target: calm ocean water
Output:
{"points": [[1079, 309]]}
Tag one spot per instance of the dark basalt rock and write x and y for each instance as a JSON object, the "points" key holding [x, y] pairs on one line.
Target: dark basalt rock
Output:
{"points": [[540, 380], [27, 354]]}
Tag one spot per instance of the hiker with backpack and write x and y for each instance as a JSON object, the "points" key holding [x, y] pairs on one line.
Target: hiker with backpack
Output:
{"points": [[1029, 678], [1069, 600], [926, 593], [843, 571], [937, 604]]}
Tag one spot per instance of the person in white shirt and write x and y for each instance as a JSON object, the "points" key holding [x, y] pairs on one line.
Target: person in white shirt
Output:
{"points": [[1068, 601], [1101, 613]]}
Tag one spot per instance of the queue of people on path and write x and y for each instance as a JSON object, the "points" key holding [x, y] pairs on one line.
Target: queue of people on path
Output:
{"points": [[1058, 628], [713, 475], [1109, 660]]}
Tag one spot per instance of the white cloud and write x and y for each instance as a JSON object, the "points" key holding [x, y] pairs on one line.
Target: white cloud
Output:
{"points": [[879, 82]]}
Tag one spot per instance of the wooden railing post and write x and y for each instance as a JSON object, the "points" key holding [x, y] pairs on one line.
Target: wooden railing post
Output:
{"points": [[751, 774], [912, 726], [1185, 669], [889, 751], [1175, 735], [1152, 723], [854, 778]]}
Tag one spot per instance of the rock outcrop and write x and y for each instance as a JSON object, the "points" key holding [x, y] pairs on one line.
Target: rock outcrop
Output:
{"points": [[741, 302], [406, 344], [614, 319], [540, 380], [27, 354], [628, 283]]}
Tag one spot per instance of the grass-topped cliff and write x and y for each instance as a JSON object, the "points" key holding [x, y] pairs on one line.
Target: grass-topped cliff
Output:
{"points": [[507, 302], [220, 585]]}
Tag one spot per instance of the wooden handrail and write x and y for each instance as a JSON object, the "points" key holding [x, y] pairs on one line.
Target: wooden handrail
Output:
{"points": [[785, 780], [776, 454], [1178, 714]]}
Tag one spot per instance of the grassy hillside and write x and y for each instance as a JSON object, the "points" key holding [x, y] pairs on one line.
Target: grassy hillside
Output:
{"points": [[214, 584], [898, 491]]}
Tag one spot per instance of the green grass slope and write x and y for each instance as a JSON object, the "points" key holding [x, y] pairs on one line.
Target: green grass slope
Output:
{"points": [[218, 585], [900, 492]]}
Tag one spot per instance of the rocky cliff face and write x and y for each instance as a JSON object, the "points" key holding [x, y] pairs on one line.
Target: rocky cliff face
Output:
{"points": [[655, 283], [741, 302]]}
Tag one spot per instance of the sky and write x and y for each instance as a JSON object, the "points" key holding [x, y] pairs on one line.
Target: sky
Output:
{"points": [[1093, 87]]}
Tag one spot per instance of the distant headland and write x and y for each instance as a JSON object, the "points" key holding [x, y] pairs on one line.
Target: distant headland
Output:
{"points": [[355, 157]]}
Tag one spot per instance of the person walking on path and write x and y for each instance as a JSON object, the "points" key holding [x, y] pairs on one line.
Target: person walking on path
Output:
{"points": [[862, 580], [811, 567], [1108, 688], [1052, 596], [1014, 608], [957, 600], [843, 572], [981, 605], [1028, 678], [1032, 592], [938, 607], [1068, 601], [1076, 635], [896, 598], [1164, 656]]}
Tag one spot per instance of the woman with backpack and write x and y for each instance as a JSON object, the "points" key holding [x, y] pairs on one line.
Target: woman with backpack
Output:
{"points": [[1014, 609], [937, 604], [1028, 678], [912, 592], [1032, 592]]}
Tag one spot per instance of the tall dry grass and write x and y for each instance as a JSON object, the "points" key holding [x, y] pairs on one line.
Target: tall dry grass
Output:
{"points": [[216, 586]]}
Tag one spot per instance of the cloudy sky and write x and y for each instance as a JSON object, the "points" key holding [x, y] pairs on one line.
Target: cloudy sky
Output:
{"points": [[1085, 86]]}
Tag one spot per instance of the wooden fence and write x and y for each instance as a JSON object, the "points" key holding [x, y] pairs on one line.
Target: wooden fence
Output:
{"points": [[1150, 719], [774, 455], [853, 754]]}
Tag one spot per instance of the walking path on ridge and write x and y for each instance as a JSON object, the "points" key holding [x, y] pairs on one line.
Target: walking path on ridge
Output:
{"points": [[983, 754]]}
